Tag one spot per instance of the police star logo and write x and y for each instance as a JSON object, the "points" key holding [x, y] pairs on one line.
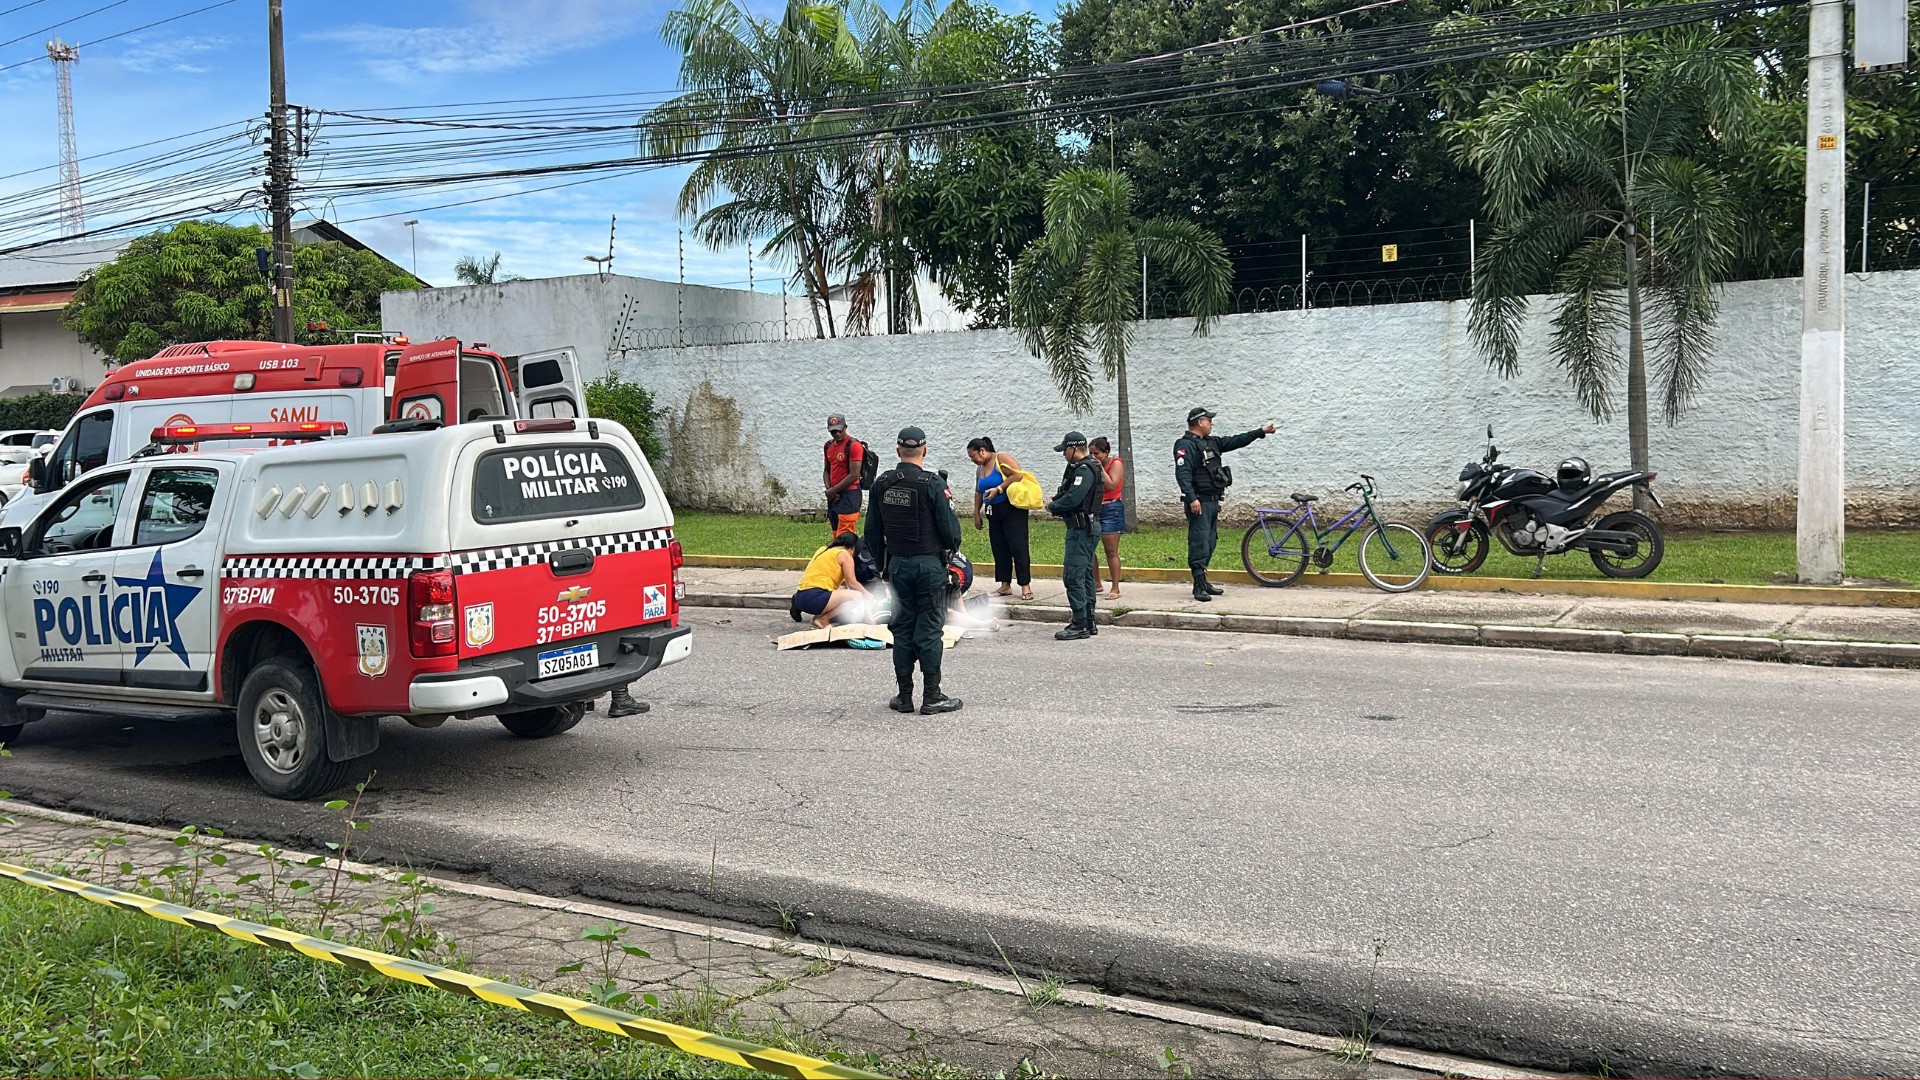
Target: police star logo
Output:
{"points": [[575, 594], [155, 613]]}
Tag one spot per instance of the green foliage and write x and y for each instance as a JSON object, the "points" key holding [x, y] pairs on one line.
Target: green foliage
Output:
{"points": [[199, 281], [43, 410], [94, 991], [1597, 191], [752, 84], [473, 270], [628, 404], [1076, 294], [1265, 165]]}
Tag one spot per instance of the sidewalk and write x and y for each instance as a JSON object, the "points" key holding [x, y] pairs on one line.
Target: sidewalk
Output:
{"points": [[1802, 633], [915, 1017]]}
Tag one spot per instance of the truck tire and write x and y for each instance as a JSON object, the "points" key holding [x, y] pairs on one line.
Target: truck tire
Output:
{"points": [[544, 723], [13, 717], [280, 721]]}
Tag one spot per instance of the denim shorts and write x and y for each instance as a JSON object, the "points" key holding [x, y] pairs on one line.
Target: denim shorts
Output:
{"points": [[1113, 517]]}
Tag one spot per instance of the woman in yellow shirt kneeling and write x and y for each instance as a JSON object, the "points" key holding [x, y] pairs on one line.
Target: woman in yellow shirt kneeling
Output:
{"points": [[829, 582]]}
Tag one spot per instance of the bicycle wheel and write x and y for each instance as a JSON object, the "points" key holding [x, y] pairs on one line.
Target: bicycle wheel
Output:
{"points": [[1404, 567], [1274, 563]]}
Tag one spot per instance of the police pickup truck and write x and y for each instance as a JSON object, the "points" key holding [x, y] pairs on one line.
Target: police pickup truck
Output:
{"points": [[515, 569]]}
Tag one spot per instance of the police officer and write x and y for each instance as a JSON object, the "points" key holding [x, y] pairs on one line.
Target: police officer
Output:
{"points": [[910, 527], [1203, 483], [1078, 504]]}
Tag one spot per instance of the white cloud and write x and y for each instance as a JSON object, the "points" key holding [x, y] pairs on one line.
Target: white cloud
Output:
{"points": [[153, 56], [500, 35]]}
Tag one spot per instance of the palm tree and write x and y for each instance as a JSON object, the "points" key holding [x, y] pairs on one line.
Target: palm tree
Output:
{"points": [[1076, 291], [1595, 187], [754, 85], [472, 270]]}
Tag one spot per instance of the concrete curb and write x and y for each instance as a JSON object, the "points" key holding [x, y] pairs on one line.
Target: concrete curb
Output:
{"points": [[1835, 596], [1558, 638]]}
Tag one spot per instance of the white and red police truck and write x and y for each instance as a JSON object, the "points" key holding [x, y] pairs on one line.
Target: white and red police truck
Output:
{"points": [[361, 385], [515, 568]]}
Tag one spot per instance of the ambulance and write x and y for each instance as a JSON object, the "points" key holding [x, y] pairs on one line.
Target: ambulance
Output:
{"points": [[361, 385], [511, 568]]}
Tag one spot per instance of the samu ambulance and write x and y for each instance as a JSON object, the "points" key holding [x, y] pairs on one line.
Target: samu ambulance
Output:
{"points": [[262, 382], [513, 568]]}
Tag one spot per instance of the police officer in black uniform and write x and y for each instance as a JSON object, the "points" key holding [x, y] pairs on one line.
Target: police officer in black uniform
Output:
{"points": [[1078, 504], [1203, 483], [910, 528]]}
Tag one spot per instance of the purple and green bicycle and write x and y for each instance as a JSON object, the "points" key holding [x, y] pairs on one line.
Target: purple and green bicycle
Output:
{"points": [[1393, 555]]}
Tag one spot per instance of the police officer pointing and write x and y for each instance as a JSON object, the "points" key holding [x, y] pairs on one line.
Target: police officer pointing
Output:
{"points": [[1078, 504], [1203, 483], [910, 526]]}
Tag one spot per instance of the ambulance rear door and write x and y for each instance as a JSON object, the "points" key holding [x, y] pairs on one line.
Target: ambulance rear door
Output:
{"points": [[426, 382], [550, 385]]}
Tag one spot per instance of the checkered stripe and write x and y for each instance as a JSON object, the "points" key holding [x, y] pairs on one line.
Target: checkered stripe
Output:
{"points": [[334, 567], [506, 558]]}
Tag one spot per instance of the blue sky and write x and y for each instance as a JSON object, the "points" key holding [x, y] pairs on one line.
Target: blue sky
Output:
{"points": [[211, 68]]}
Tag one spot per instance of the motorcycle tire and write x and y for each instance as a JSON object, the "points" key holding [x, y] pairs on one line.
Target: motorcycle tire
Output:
{"points": [[1471, 553], [1655, 545]]}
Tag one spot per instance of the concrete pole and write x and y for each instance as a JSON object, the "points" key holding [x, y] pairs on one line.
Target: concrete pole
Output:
{"points": [[279, 177], [1821, 521], [1866, 220], [1303, 271]]}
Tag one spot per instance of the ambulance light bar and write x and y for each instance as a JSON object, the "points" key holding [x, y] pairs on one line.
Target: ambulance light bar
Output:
{"points": [[179, 434]]}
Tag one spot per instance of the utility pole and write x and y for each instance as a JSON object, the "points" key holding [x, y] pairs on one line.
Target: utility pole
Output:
{"points": [[1821, 521], [72, 219], [279, 178], [413, 238]]}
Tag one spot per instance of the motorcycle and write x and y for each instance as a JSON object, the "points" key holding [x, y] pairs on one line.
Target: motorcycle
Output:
{"points": [[1536, 515]]}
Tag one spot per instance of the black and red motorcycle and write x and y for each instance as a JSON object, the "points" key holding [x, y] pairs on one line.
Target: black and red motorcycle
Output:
{"points": [[1536, 515]]}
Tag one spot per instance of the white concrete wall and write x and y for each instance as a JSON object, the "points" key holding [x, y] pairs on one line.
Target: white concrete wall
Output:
{"points": [[586, 312], [1398, 391], [34, 348]]}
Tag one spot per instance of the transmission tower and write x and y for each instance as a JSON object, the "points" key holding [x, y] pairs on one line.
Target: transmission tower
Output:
{"points": [[72, 217]]}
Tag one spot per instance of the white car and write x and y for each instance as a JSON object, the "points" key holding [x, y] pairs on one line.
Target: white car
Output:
{"points": [[16, 456]]}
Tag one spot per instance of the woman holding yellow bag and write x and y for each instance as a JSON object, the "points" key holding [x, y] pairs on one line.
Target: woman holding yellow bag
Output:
{"points": [[1002, 517]]}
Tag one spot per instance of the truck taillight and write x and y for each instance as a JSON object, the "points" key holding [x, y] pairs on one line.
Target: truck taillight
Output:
{"points": [[430, 612], [677, 557]]}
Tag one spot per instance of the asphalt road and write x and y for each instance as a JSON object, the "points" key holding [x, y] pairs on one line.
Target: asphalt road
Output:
{"points": [[1573, 861]]}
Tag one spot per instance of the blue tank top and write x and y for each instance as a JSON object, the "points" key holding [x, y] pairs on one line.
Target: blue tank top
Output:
{"points": [[990, 481]]}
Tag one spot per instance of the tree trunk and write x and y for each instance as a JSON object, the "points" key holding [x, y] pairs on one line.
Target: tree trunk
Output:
{"points": [[1127, 489], [1636, 366]]}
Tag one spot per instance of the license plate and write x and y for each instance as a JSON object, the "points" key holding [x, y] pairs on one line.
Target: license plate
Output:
{"points": [[567, 661]]}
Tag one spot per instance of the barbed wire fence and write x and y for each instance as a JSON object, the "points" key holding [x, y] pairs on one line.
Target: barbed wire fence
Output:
{"points": [[1407, 266]]}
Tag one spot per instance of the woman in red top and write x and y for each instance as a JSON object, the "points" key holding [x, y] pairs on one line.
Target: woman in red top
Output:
{"points": [[1113, 512]]}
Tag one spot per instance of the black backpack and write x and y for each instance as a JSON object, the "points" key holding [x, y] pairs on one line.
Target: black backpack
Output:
{"points": [[869, 466]]}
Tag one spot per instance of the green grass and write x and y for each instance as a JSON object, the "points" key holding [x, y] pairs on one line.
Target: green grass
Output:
{"points": [[92, 991], [1735, 558]]}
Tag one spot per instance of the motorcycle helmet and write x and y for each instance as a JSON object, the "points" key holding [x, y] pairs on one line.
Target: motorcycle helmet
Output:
{"points": [[1574, 473], [959, 573]]}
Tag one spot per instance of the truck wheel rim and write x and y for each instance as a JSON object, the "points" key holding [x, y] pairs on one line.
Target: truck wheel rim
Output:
{"points": [[280, 731]]}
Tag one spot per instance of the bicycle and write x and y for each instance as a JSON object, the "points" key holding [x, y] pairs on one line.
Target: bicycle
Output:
{"points": [[1286, 540]]}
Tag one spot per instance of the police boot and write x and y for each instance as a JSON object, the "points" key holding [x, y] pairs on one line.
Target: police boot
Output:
{"points": [[903, 701], [1200, 590], [1093, 627], [1073, 632], [624, 704], [1212, 589], [936, 702]]}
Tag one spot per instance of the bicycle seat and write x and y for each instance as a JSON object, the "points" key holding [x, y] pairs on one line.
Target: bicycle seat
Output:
{"points": [[1305, 499]]}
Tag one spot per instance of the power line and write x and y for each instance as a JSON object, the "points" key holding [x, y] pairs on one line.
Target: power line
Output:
{"points": [[123, 33]]}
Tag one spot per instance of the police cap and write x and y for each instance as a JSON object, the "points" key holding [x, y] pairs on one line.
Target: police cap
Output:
{"points": [[1072, 438], [1197, 413], [912, 438]]}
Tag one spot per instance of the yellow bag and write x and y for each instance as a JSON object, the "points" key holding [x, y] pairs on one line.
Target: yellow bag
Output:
{"points": [[1024, 491]]}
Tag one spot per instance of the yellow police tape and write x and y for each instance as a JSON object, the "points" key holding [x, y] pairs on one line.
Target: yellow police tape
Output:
{"points": [[585, 1013]]}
